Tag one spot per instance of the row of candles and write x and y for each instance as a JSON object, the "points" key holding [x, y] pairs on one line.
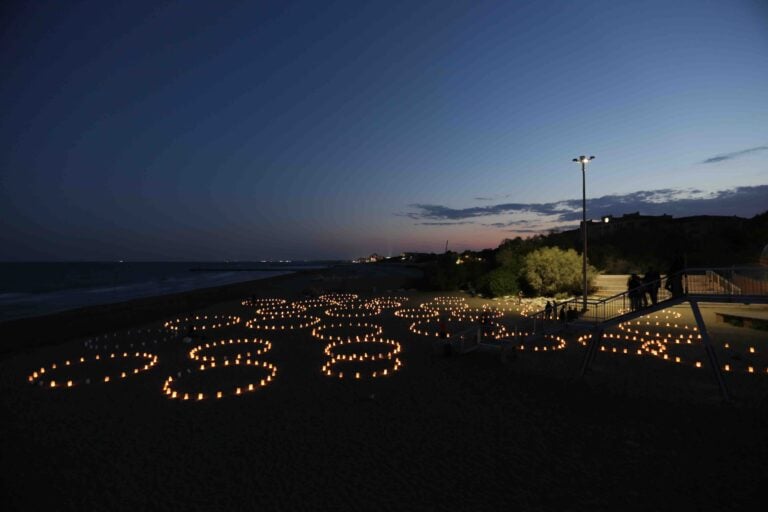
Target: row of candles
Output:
{"points": [[110, 341], [202, 322], [430, 327], [205, 354], [268, 309], [321, 331], [172, 391], [339, 356], [146, 361], [656, 343], [262, 347]]}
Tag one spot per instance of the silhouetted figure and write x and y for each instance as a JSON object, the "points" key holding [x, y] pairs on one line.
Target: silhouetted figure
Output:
{"points": [[674, 282], [572, 313], [563, 316], [634, 287], [548, 310], [519, 298], [652, 283]]}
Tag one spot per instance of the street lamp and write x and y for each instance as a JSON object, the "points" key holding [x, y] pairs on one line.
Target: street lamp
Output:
{"points": [[584, 160]]}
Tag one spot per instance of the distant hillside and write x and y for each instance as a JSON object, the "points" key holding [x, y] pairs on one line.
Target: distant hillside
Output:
{"points": [[636, 242]]}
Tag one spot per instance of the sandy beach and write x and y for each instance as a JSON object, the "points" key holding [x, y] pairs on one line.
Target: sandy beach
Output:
{"points": [[468, 432]]}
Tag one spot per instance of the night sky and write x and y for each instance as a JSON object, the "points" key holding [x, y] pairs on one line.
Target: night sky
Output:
{"points": [[272, 130]]}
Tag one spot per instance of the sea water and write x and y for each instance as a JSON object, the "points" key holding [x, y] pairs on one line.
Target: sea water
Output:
{"points": [[32, 289]]}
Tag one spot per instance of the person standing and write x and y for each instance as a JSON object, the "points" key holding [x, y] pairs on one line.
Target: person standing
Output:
{"points": [[548, 310], [674, 282], [652, 282]]}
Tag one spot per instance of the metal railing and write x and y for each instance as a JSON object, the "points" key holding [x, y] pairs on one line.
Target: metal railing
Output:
{"points": [[732, 283]]}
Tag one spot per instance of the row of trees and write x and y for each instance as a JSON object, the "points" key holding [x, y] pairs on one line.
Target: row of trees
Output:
{"points": [[517, 265]]}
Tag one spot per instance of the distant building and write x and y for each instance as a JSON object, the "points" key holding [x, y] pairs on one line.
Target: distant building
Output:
{"points": [[373, 258], [466, 257], [696, 225], [610, 224]]}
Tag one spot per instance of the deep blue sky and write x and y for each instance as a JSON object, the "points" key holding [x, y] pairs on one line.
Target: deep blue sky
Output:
{"points": [[256, 130]]}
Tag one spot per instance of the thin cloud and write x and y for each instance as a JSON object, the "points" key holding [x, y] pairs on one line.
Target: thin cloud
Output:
{"points": [[527, 230], [735, 154], [444, 223], [741, 201], [492, 198], [522, 222]]}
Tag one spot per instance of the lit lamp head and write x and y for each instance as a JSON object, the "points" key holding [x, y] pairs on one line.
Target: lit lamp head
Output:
{"points": [[584, 159]]}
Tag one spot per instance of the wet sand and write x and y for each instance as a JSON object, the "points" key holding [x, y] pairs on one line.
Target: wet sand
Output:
{"points": [[443, 433]]}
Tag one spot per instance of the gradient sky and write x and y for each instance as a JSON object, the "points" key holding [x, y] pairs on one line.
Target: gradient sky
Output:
{"points": [[269, 130]]}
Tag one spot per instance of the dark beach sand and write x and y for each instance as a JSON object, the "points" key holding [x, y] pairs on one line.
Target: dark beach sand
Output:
{"points": [[458, 433]]}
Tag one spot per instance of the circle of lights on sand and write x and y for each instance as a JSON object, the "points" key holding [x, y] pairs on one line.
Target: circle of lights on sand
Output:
{"points": [[172, 390], [387, 302], [512, 306], [281, 310], [536, 343], [431, 327], [245, 348], [46, 376], [130, 339], [443, 307], [311, 303], [661, 335], [364, 360], [417, 313], [201, 322], [371, 330], [353, 311], [476, 314], [286, 322], [262, 302], [445, 301], [339, 298]]}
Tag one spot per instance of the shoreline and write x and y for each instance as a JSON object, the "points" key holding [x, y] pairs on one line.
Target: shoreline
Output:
{"points": [[29, 333]]}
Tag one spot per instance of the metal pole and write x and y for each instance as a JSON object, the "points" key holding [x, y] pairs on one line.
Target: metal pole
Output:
{"points": [[584, 230], [713, 362]]}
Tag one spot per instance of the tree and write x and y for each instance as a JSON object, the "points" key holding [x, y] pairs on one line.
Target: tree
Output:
{"points": [[552, 271], [502, 281]]}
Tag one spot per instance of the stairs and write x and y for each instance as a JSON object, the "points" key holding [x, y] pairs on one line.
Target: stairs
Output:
{"points": [[609, 285], [693, 284]]}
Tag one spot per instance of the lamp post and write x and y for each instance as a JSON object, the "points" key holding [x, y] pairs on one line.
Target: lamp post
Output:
{"points": [[584, 160]]}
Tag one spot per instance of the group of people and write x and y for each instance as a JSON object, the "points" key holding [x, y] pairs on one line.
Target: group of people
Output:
{"points": [[564, 315], [644, 291]]}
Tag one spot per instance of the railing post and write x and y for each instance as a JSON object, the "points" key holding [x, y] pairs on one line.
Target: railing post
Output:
{"points": [[594, 342], [711, 356]]}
